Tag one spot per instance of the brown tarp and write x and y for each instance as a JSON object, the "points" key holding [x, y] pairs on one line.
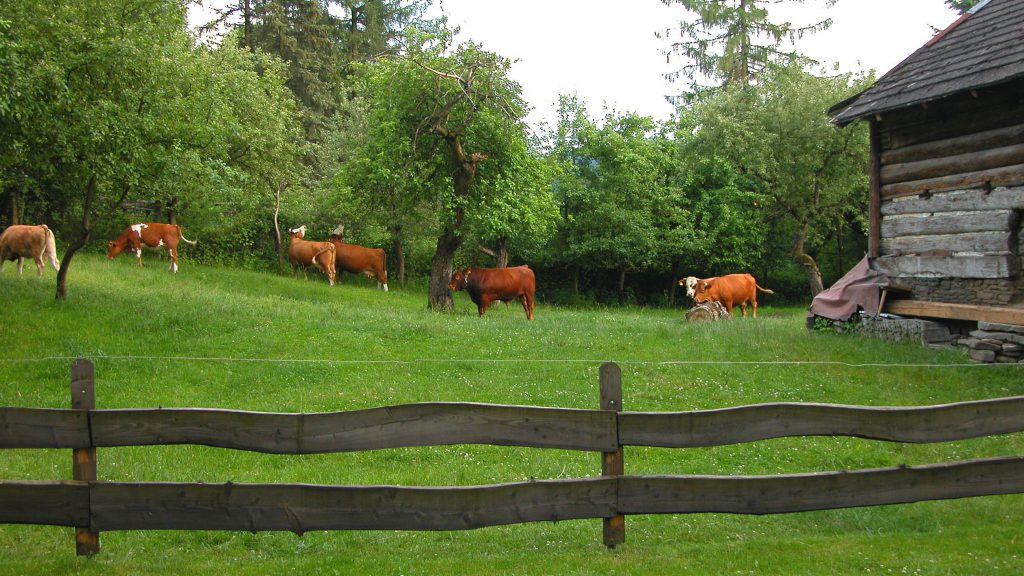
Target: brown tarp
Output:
{"points": [[859, 288]]}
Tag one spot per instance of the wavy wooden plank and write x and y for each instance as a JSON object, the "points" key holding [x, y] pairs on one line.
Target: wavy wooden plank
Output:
{"points": [[822, 491], [43, 428], [957, 201], [926, 223], [423, 424], [973, 312], [57, 503], [302, 507], [953, 266], [914, 424]]}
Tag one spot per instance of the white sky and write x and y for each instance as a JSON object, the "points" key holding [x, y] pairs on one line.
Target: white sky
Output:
{"points": [[605, 51]]}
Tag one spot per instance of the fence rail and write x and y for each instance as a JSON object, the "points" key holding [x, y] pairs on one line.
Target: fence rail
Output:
{"points": [[94, 506]]}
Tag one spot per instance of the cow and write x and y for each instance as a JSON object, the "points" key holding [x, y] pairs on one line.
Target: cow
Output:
{"points": [[20, 241], [151, 235], [485, 285], [359, 259], [305, 253], [730, 290]]}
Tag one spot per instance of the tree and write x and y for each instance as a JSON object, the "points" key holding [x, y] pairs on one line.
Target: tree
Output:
{"points": [[459, 120], [777, 135], [962, 6], [731, 41]]}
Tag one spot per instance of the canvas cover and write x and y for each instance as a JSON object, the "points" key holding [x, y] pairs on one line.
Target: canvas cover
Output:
{"points": [[860, 287]]}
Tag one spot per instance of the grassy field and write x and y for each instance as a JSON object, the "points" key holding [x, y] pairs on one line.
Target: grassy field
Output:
{"points": [[228, 338]]}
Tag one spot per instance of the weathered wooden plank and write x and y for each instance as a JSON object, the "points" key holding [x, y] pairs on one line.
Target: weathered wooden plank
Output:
{"points": [[995, 243], [956, 266], [821, 491], [443, 423], [54, 503], [923, 224], [423, 424], [915, 424], [256, 431], [973, 142], [949, 165], [1011, 198], [302, 507], [1005, 176], [43, 428], [973, 312]]}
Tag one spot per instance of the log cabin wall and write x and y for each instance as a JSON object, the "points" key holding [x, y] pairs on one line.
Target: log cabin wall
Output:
{"points": [[951, 184]]}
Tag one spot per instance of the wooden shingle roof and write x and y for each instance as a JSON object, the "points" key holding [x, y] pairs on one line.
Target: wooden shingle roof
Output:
{"points": [[978, 50]]}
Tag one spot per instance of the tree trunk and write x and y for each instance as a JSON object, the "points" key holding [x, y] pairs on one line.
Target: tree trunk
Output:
{"points": [[502, 260], [172, 211], [399, 251], [14, 206], [576, 280], [439, 296], [622, 286], [80, 242], [675, 284], [247, 27], [805, 260], [278, 246]]}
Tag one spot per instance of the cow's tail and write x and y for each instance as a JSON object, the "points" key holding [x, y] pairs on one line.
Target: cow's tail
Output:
{"points": [[50, 248], [328, 248], [765, 290], [182, 236]]}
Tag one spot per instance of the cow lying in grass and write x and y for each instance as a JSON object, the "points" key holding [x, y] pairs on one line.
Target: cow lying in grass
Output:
{"points": [[36, 242], [730, 290], [305, 253], [485, 285], [152, 235]]}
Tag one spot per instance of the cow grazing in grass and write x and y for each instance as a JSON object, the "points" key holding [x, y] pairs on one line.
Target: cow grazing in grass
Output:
{"points": [[485, 285], [306, 253], [730, 290], [153, 235], [36, 242], [357, 259]]}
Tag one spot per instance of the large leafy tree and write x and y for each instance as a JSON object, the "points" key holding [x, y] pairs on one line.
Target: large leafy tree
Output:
{"points": [[730, 41], [778, 137], [962, 6], [458, 120]]}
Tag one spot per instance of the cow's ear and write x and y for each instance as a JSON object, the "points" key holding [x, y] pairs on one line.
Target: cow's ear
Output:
{"points": [[707, 285]]}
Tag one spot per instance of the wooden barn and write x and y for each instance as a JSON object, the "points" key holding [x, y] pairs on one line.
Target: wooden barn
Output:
{"points": [[947, 171]]}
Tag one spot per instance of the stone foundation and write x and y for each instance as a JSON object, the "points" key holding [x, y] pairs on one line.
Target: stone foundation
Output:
{"points": [[989, 342]]}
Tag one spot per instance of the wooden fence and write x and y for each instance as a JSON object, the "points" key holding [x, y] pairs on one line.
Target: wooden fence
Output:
{"points": [[93, 506]]}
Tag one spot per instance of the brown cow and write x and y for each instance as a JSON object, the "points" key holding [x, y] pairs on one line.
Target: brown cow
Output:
{"points": [[305, 253], [730, 290], [152, 235], [485, 285], [360, 259], [19, 242]]}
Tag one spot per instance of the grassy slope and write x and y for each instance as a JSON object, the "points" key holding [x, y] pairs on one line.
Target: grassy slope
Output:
{"points": [[362, 348]]}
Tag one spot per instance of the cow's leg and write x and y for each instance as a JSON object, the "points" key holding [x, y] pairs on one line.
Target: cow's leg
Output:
{"points": [[21, 264], [174, 260], [743, 308], [39, 265], [753, 305], [528, 306], [484, 303]]}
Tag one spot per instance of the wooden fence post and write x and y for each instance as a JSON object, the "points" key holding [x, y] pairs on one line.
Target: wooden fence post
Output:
{"points": [[83, 397], [612, 462]]}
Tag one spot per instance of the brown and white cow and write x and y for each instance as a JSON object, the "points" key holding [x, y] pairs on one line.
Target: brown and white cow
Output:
{"points": [[357, 259], [151, 235], [730, 290], [305, 253], [36, 242], [485, 285]]}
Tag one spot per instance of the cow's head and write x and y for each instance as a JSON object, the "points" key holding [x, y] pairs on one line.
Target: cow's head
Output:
{"points": [[297, 232], [702, 291], [114, 248], [459, 279], [691, 284]]}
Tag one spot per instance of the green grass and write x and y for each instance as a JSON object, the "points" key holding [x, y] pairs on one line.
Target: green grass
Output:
{"points": [[228, 338]]}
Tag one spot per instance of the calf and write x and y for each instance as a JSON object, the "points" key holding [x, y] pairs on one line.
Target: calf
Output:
{"points": [[485, 285], [730, 290], [19, 242], [152, 235], [360, 260], [305, 253]]}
